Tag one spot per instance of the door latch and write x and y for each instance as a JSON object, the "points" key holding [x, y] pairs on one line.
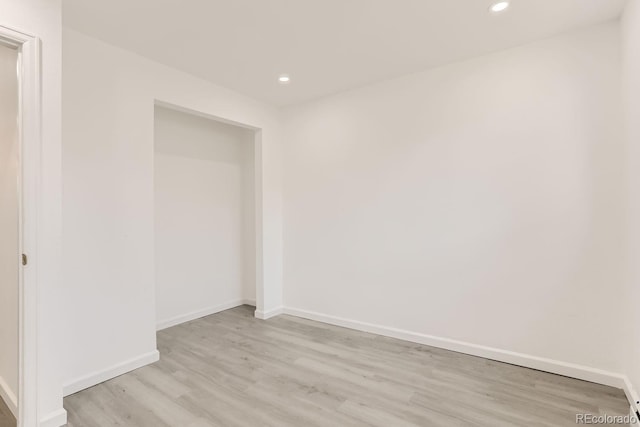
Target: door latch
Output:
{"points": [[24, 259]]}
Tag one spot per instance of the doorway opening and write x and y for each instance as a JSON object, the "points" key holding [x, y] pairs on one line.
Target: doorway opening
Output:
{"points": [[205, 216], [9, 234], [21, 172]]}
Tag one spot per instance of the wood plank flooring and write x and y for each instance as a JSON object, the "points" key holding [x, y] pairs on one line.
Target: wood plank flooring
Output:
{"points": [[6, 417], [230, 369]]}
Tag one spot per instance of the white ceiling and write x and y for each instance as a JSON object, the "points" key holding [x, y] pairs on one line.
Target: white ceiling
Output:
{"points": [[326, 46]]}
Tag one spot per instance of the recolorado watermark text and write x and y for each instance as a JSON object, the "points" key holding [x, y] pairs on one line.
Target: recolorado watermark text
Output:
{"points": [[606, 419]]}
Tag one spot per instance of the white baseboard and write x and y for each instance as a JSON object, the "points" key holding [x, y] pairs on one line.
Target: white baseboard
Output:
{"points": [[540, 363], [267, 314], [54, 419], [92, 379], [164, 324], [9, 397]]}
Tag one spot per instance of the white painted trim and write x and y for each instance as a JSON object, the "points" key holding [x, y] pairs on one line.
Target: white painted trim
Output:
{"points": [[259, 218], [264, 315], [164, 324], [94, 378], [54, 419], [30, 139], [9, 397], [534, 362]]}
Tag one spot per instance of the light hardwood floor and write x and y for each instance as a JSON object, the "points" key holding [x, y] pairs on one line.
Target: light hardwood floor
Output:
{"points": [[230, 369], [6, 417]]}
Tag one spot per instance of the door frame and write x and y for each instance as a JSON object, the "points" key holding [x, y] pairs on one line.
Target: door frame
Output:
{"points": [[29, 189]]}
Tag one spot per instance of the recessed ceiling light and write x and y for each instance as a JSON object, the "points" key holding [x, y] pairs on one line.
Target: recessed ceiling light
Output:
{"points": [[500, 6], [284, 79]]}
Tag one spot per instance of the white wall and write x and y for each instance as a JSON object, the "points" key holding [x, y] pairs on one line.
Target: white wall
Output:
{"points": [[9, 244], [201, 258], [478, 202], [249, 221], [108, 201], [631, 90], [43, 19]]}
